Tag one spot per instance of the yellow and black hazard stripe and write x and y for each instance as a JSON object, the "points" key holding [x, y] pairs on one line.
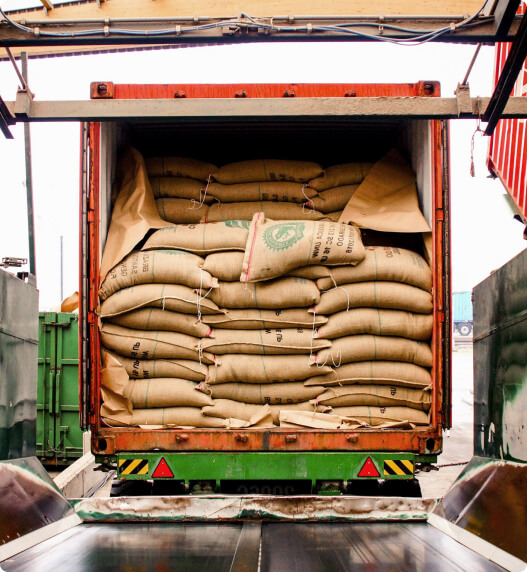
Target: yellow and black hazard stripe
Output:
{"points": [[133, 466], [399, 467]]}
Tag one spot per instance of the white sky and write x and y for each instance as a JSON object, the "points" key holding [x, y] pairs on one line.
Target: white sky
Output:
{"points": [[484, 235]]}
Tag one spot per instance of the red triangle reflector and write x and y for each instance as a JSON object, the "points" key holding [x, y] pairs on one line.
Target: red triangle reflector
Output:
{"points": [[368, 469], [162, 470]]}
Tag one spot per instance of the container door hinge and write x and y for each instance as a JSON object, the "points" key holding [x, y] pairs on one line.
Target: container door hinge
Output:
{"points": [[90, 215], [440, 215]]}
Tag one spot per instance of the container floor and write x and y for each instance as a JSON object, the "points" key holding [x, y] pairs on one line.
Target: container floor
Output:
{"points": [[274, 547]]}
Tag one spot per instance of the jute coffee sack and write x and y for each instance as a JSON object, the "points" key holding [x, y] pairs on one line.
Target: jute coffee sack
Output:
{"points": [[376, 395], [275, 248], [181, 211], [334, 216], [390, 295], [165, 392], [366, 347], [179, 167], [273, 294], [338, 175], [159, 267], [152, 345], [227, 409], [201, 238], [267, 170], [373, 416], [147, 368], [375, 372], [378, 322], [164, 320], [180, 188], [332, 200], [176, 417], [383, 263], [262, 319], [313, 272], [268, 342], [226, 266], [270, 393], [261, 191], [263, 369], [174, 297], [245, 211]]}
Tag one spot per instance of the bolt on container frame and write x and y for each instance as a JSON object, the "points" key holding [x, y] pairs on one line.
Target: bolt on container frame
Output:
{"points": [[328, 138]]}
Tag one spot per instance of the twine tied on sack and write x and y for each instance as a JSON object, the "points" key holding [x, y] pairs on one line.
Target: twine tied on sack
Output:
{"points": [[313, 336], [202, 196]]}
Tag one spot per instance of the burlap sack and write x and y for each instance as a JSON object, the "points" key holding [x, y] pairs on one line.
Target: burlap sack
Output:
{"points": [[261, 191], [263, 369], [226, 266], [270, 393], [227, 409], [378, 322], [182, 211], [202, 238], [383, 263], [334, 216], [262, 319], [390, 295], [338, 175], [174, 297], [179, 167], [180, 188], [177, 417], [366, 347], [273, 249], [273, 294], [147, 368], [164, 320], [245, 211], [387, 198], [376, 395], [313, 272], [332, 200], [134, 212], [267, 170], [268, 342], [376, 372], [159, 267], [165, 392], [378, 415], [152, 345]]}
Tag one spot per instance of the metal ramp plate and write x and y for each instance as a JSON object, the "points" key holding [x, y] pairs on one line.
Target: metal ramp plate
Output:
{"points": [[249, 546]]}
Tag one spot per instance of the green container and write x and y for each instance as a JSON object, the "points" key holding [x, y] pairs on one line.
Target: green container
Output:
{"points": [[59, 437]]}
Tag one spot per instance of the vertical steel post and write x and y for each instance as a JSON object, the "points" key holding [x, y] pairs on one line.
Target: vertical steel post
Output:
{"points": [[29, 184]]}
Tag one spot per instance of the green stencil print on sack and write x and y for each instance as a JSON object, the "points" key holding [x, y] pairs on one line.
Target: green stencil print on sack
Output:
{"points": [[283, 236]]}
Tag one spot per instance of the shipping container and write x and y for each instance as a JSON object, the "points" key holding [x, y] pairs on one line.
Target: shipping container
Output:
{"points": [[462, 312], [59, 438], [507, 153], [278, 454]]}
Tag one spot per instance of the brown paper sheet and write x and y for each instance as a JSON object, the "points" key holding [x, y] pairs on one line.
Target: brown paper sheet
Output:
{"points": [[387, 199], [134, 212], [115, 409]]}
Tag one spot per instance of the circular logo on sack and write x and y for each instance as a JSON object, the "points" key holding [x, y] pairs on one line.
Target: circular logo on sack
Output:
{"points": [[284, 235]]}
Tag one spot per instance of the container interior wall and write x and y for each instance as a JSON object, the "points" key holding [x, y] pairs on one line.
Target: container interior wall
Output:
{"points": [[323, 141]]}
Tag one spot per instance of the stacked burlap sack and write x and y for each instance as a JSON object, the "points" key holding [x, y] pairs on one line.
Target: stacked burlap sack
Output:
{"points": [[231, 323]]}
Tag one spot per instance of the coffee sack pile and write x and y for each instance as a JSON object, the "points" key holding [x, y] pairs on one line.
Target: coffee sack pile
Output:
{"points": [[258, 303]]}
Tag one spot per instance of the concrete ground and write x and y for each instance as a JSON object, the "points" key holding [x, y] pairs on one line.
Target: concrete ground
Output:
{"points": [[458, 442]]}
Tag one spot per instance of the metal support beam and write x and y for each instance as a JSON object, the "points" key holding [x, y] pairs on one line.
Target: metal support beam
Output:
{"points": [[6, 119], [504, 15], [272, 108], [509, 74]]}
